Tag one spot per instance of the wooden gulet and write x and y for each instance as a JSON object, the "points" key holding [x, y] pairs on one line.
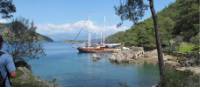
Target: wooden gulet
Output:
{"points": [[100, 48]]}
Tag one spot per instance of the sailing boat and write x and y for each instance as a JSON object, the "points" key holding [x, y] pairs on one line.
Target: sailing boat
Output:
{"points": [[99, 48], [92, 48]]}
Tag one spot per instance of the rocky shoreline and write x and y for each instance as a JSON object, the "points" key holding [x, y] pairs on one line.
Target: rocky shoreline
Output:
{"points": [[25, 78], [136, 55], [180, 71]]}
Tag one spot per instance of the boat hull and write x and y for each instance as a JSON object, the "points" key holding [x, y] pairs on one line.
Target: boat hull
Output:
{"points": [[95, 50]]}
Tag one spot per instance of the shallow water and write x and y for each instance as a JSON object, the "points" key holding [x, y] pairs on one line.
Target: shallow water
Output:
{"points": [[70, 68]]}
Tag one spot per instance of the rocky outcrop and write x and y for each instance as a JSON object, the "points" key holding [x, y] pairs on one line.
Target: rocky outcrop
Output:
{"points": [[137, 55], [128, 55], [180, 71], [26, 79], [195, 70]]}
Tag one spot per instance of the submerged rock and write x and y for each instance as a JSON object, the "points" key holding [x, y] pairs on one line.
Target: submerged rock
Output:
{"points": [[95, 57]]}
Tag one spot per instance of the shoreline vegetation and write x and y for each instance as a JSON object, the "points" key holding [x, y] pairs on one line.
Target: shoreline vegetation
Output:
{"points": [[24, 75], [177, 73], [179, 33], [26, 78]]}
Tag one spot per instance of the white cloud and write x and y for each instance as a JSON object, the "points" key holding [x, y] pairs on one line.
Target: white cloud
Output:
{"points": [[4, 20], [53, 30]]}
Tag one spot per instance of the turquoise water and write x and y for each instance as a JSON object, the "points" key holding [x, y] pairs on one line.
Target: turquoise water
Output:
{"points": [[70, 68]]}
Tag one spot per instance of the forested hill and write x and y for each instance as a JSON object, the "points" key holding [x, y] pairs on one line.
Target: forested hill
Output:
{"points": [[178, 23], [41, 37], [44, 38]]}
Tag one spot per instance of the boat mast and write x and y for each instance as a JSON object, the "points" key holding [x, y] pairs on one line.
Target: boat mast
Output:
{"points": [[89, 39], [102, 33], [103, 36], [89, 36]]}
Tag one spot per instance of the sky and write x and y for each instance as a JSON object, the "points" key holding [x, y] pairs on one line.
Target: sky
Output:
{"points": [[63, 19]]}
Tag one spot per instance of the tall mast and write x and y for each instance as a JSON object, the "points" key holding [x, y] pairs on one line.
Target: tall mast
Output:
{"points": [[103, 36], [89, 36], [89, 39]]}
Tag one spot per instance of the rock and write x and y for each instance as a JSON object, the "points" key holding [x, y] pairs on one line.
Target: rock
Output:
{"points": [[195, 70], [170, 58], [22, 63], [26, 74], [137, 55], [26, 79], [127, 55], [95, 57], [172, 64], [152, 54]]}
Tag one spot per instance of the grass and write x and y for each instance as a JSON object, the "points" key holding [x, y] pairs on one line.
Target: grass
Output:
{"points": [[186, 47]]}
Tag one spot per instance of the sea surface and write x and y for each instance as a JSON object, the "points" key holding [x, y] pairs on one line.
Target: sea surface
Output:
{"points": [[64, 64]]}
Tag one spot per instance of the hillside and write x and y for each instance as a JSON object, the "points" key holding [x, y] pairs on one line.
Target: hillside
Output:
{"points": [[178, 26], [44, 38], [41, 37]]}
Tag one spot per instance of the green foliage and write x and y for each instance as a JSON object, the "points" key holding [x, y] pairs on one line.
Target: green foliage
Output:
{"points": [[174, 78], [131, 10], [22, 40], [7, 8], [117, 37], [178, 19], [185, 47], [187, 21], [25, 78], [196, 39]]}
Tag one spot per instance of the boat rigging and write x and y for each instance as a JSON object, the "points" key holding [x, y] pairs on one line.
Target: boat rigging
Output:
{"points": [[97, 48]]}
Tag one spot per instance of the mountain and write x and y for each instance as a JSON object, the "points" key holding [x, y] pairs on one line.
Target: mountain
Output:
{"points": [[178, 23], [44, 38]]}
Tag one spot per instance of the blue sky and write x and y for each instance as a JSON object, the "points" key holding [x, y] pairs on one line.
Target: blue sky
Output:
{"points": [[61, 13]]}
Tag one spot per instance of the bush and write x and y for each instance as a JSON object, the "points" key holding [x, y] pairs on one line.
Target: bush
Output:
{"points": [[22, 41], [174, 78], [185, 47]]}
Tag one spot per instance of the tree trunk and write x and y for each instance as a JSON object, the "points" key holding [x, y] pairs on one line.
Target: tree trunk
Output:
{"points": [[158, 43]]}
